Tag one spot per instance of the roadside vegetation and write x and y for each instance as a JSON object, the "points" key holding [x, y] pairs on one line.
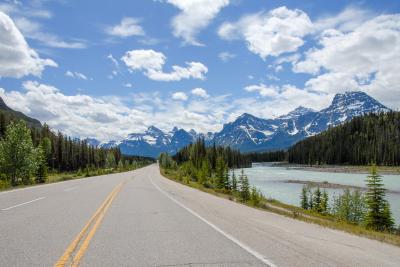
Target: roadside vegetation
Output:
{"points": [[210, 169], [36, 156]]}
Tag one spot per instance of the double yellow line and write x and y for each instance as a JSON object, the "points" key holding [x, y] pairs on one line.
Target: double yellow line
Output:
{"points": [[75, 251]]}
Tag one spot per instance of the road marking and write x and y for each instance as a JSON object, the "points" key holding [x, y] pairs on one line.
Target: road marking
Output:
{"points": [[69, 189], [259, 256], [93, 224], [34, 200]]}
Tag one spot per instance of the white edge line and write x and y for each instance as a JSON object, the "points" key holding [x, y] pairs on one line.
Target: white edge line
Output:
{"points": [[37, 199], [233, 239]]}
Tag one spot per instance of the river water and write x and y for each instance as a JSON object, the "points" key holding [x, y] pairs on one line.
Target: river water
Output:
{"points": [[272, 183]]}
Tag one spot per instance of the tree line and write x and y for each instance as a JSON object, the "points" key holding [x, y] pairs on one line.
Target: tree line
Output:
{"points": [[370, 209], [370, 138], [28, 154], [212, 167]]}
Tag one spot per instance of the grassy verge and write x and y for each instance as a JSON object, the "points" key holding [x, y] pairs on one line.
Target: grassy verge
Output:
{"points": [[294, 212], [66, 176]]}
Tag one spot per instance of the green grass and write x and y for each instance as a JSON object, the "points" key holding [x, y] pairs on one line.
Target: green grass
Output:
{"points": [[294, 212], [66, 176]]}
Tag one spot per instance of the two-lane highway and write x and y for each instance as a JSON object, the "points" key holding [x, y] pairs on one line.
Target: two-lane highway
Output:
{"points": [[140, 218]]}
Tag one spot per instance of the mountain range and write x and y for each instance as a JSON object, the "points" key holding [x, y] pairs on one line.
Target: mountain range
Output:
{"points": [[249, 133]]}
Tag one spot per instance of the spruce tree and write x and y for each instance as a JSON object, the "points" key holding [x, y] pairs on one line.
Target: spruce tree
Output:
{"points": [[304, 198], [244, 187], [376, 203], [317, 200]]}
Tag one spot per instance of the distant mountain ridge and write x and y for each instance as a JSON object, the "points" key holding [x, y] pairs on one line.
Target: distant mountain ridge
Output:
{"points": [[250, 133]]}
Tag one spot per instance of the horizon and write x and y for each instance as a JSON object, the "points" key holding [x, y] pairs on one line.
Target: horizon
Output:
{"points": [[120, 70]]}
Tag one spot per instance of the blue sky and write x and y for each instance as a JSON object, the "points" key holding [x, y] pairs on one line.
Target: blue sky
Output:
{"points": [[108, 68]]}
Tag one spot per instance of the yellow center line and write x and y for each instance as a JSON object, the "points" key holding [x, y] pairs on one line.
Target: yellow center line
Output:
{"points": [[94, 221]]}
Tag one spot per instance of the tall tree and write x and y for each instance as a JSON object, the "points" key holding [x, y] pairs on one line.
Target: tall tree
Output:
{"points": [[304, 198], [376, 203], [17, 154]]}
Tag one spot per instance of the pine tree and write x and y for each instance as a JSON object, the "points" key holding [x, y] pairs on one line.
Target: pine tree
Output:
{"points": [[376, 203], [325, 202], [304, 198], [317, 200], [244, 187], [387, 218]]}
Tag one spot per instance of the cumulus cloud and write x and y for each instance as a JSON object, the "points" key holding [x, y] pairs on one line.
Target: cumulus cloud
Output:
{"points": [[272, 33], [75, 75], [180, 96], [366, 58], [195, 15], [151, 63], [200, 92], [17, 59], [128, 27], [263, 90]]}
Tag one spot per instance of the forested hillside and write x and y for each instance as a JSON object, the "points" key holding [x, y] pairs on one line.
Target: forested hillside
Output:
{"points": [[370, 138], [29, 150]]}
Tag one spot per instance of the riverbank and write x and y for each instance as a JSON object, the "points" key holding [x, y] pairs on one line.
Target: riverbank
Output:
{"points": [[337, 168], [326, 184], [292, 211]]}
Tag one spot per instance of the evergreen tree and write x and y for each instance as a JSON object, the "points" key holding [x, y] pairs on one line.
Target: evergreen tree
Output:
{"points": [[376, 203], [317, 200], [244, 190], [324, 202], [304, 198], [387, 218]]}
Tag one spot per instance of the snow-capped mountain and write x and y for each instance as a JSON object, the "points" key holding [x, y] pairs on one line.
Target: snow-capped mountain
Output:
{"points": [[250, 133]]}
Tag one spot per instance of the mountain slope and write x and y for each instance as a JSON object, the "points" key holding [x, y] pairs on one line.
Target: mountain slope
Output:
{"points": [[374, 137], [11, 114], [249, 133]]}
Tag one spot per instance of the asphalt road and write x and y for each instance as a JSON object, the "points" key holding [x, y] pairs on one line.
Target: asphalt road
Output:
{"points": [[140, 218]]}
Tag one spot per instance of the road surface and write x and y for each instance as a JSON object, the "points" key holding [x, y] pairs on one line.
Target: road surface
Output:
{"points": [[139, 218]]}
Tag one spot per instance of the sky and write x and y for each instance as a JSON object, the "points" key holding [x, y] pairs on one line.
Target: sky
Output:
{"points": [[104, 69]]}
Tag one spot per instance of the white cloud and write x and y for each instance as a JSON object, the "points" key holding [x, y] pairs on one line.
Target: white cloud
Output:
{"points": [[278, 31], [33, 30], [180, 96], [128, 85], [263, 90], [75, 75], [151, 63], [367, 58], [128, 27], [226, 56], [17, 59], [107, 118], [347, 20], [195, 15], [200, 92]]}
